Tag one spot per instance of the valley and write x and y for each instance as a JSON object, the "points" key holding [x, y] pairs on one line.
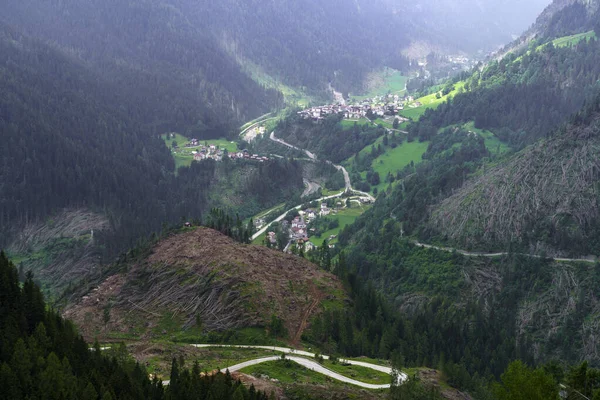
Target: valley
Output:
{"points": [[355, 199]]}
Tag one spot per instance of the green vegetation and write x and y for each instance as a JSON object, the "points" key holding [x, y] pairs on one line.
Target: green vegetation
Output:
{"points": [[573, 39], [328, 139], [492, 142], [396, 159], [208, 358], [347, 123], [293, 96], [286, 371], [431, 101], [344, 217], [362, 374]]}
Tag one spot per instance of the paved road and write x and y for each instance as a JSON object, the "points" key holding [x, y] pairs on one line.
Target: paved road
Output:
{"points": [[282, 216], [490, 255], [298, 357], [313, 157], [308, 153]]}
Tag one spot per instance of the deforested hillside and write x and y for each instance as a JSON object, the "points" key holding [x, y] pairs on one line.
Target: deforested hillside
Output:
{"points": [[203, 281], [544, 198]]}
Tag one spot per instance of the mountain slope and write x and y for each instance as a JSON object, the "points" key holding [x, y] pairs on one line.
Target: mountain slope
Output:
{"points": [[544, 198], [560, 18], [170, 75], [202, 277]]}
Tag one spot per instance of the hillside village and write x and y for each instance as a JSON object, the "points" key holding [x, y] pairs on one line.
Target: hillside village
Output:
{"points": [[302, 227], [379, 106], [201, 152]]}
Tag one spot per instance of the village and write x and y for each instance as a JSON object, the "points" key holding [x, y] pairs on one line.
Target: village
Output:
{"points": [[305, 224], [206, 151], [379, 106]]}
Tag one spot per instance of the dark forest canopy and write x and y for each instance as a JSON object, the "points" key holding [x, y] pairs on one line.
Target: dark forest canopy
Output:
{"points": [[42, 356]]}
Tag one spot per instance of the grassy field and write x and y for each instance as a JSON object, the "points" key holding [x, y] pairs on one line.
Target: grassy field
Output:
{"points": [[430, 101], [347, 124], [389, 81], [363, 374], [286, 371], [396, 159], [493, 144], [574, 39], [183, 156], [564, 41], [346, 217]]}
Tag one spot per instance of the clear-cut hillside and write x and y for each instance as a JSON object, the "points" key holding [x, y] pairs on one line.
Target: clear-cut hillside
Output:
{"points": [[201, 277]]}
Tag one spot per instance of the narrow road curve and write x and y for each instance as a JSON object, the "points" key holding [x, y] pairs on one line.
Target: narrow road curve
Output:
{"points": [[501, 254], [298, 357], [282, 216], [312, 157]]}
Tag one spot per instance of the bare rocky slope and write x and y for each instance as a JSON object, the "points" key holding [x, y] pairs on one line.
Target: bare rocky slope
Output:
{"points": [[201, 277]]}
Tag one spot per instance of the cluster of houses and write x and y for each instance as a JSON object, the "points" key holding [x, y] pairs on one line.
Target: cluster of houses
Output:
{"points": [[380, 106], [299, 233], [212, 152]]}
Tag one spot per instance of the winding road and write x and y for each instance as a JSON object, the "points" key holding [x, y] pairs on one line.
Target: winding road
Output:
{"points": [[299, 357], [313, 157], [501, 254]]}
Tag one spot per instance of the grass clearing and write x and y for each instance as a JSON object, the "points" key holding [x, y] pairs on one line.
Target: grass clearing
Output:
{"points": [[396, 159], [346, 216], [349, 123], [430, 101], [573, 39], [363, 374], [293, 96], [492, 142], [286, 371]]}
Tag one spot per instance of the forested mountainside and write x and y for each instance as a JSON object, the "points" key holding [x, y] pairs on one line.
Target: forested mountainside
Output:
{"points": [[522, 97], [198, 50], [562, 18], [167, 73], [69, 141], [43, 356], [535, 309]]}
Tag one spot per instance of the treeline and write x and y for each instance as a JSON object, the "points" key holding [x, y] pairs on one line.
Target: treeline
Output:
{"points": [[43, 357], [522, 97], [329, 138], [473, 344], [232, 227]]}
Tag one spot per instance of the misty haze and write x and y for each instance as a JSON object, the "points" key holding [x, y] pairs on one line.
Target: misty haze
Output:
{"points": [[336, 199]]}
